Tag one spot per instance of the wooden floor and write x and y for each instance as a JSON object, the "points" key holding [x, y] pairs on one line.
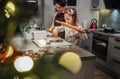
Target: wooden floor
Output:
{"points": [[99, 74]]}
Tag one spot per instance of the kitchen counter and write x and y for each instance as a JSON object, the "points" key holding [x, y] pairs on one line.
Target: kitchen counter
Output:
{"points": [[28, 44], [101, 31], [43, 70]]}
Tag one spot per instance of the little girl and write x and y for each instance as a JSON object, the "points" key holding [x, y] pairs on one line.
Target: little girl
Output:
{"points": [[72, 35]]}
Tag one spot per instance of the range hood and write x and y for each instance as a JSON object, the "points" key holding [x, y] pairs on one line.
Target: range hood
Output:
{"points": [[112, 4]]}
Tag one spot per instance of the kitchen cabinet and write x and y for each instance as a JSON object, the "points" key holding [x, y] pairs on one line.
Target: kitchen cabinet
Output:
{"points": [[111, 64], [113, 61]]}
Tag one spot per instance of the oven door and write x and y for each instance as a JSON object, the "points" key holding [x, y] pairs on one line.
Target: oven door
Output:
{"points": [[99, 48]]}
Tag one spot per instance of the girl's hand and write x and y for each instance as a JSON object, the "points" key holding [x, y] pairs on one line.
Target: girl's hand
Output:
{"points": [[55, 32], [82, 31]]}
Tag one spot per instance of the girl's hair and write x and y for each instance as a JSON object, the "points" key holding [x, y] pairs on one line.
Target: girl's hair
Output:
{"points": [[61, 2], [73, 13]]}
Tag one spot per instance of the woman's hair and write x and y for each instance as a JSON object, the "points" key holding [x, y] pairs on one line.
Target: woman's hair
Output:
{"points": [[61, 2], [73, 13]]}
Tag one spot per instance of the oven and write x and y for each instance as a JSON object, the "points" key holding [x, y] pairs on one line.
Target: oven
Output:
{"points": [[100, 45]]}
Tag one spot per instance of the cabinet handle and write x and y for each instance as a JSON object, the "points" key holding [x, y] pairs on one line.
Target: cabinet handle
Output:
{"points": [[117, 40], [116, 61], [117, 47]]}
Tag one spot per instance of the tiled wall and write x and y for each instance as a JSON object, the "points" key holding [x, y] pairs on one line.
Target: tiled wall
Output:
{"points": [[114, 20], [110, 17]]}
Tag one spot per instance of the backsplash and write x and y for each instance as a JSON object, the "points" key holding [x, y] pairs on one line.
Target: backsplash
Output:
{"points": [[111, 18]]}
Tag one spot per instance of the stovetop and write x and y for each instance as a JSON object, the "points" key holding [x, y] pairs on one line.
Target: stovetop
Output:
{"points": [[110, 31], [114, 32]]}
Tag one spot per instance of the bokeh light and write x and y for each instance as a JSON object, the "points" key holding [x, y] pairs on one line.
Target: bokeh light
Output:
{"points": [[11, 6], [71, 61], [23, 64]]}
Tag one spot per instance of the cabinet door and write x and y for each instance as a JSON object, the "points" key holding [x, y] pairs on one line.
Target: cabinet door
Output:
{"points": [[114, 49], [113, 63], [115, 41], [113, 56], [114, 46]]}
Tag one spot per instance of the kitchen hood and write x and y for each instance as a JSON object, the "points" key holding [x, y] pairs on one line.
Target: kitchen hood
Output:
{"points": [[112, 4]]}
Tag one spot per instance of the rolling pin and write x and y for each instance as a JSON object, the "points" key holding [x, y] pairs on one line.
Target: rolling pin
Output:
{"points": [[70, 26]]}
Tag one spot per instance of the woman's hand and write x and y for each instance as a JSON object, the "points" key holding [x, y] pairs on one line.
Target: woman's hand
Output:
{"points": [[51, 29]]}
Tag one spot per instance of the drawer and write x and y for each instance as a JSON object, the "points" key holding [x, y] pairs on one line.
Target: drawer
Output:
{"points": [[113, 63], [115, 41], [114, 49]]}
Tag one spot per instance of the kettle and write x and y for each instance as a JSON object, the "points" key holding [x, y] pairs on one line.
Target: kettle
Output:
{"points": [[93, 24]]}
